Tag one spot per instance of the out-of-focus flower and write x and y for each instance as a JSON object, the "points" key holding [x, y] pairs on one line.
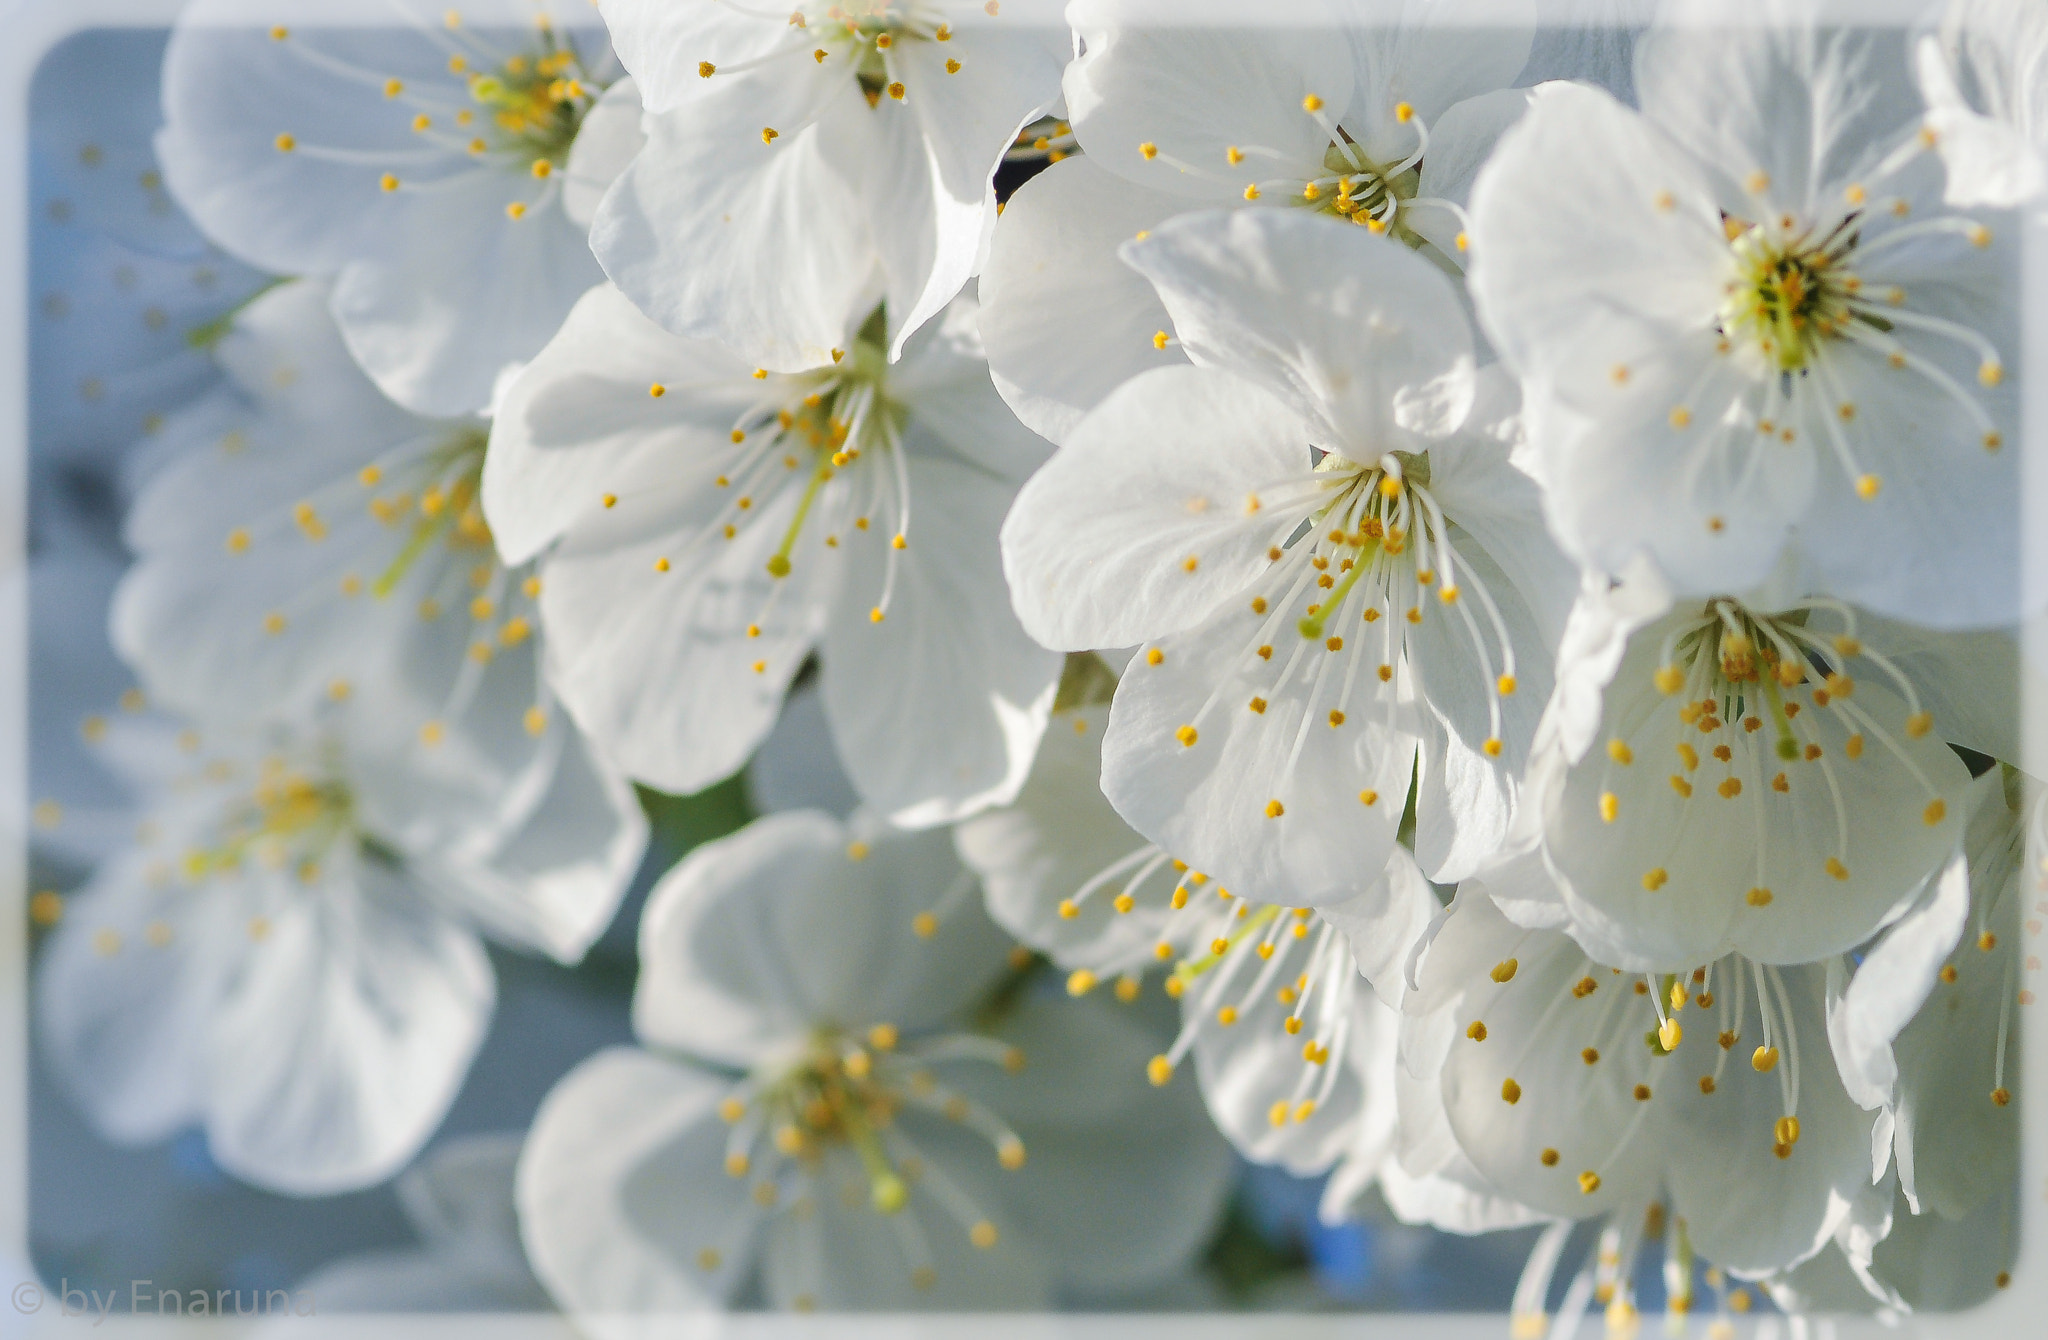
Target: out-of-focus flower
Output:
{"points": [[122, 282], [804, 163], [432, 165], [1984, 73], [1765, 774], [702, 527], [1321, 534], [832, 1112], [1748, 326], [1294, 1052], [287, 956], [302, 538], [1351, 108]]}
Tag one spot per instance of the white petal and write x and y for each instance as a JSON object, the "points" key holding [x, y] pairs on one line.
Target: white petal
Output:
{"points": [[123, 1016], [1359, 334], [622, 634], [755, 938], [965, 101], [622, 1185], [606, 142], [1123, 1181], [1970, 75], [337, 1051], [1428, 60], [581, 421], [1193, 92], [1383, 922], [937, 709], [1813, 109], [1150, 515], [956, 409], [469, 292], [1066, 321], [1274, 802], [1575, 267], [1051, 841], [772, 261], [555, 884]]}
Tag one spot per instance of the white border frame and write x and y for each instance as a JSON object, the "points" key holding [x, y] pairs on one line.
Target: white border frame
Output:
{"points": [[33, 28]]}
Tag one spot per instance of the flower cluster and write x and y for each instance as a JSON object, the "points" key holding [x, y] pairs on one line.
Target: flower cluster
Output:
{"points": [[1483, 560]]}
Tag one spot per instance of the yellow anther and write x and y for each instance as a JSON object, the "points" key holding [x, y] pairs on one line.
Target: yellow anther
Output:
{"points": [[924, 925], [896, 91], [1491, 747], [982, 1235], [736, 1165], [1510, 1092], [1868, 486], [1835, 867], [1368, 797], [1758, 897], [1159, 1070], [1610, 806], [2001, 1096], [1313, 104], [1233, 155], [387, 182], [661, 565], [1730, 787], [1786, 1130], [1448, 594], [1669, 1035], [1274, 809], [1227, 1015], [1160, 339], [1251, 192], [1506, 685], [286, 143], [1476, 1030], [1669, 679], [1918, 724], [706, 69], [1404, 112], [1504, 971], [1655, 879], [898, 541], [536, 721], [1991, 374], [515, 210], [1935, 812], [1764, 1060], [1148, 150], [1987, 942], [1080, 982], [1589, 1182], [238, 541], [952, 66]]}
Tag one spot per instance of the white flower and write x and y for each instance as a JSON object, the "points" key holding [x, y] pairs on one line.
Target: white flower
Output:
{"points": [[303, 539], [804, 162], [1384, 122], [702, 528], [810, 1116], [429, 165], [1319, 532], [1766, 775], [287, 958], [1748, 326], [1294, 1052], [458, 1202], [1984, 73], [1582, 1092]]}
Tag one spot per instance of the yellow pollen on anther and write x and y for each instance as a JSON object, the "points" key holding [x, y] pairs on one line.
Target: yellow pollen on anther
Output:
{"points": [[1159, 1070], [1610, 806], [1080, 982], [1274, 809], [1589, 1182], [1935, 812], [1476, 1031], [1919, 724], [388, 182], [1834, 866], [1655, 879], [286, 143], [1669, 679], [1764, 1060], [1510, 1092], [1868, 487], [1758, 897]]}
